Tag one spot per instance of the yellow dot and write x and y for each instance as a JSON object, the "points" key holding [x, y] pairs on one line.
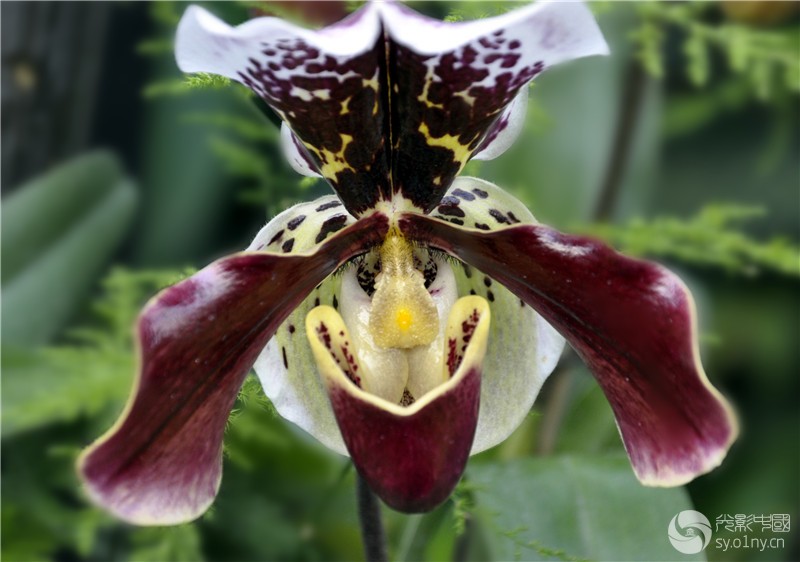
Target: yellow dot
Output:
{"points": [[403, 319]]}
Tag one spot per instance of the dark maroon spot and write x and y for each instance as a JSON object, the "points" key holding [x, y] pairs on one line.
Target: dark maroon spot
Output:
{"points": [[480, 193], [490, 296], [295, 222], [326, 337], [458, 222], [291, 328], [468, 271], [451, 210], [285, 361], [514, 44], [331, 225], [472, 292], [276, 238], [466, 195], [481, 226], [487, 281], [513, 218], [288, 245], [453, 359], [328, 205], [316, 301], [499, 217], [335, 302]]}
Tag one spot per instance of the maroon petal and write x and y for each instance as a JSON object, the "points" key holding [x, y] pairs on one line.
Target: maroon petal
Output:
{"points": [[411, 455], [631, 321], [161, 463]]}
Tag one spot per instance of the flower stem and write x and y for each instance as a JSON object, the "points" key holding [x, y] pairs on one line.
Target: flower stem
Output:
{"points": [[630, 106], [369, 515]]}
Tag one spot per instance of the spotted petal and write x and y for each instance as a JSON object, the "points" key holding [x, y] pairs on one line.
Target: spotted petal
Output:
{"points": [[633, 323], [387, 101], [523, 348], [286, 367], [161, 463], [411, 456]]}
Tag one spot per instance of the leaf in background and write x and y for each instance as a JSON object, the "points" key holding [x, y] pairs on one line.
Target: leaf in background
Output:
{"points": [[566, 508], [176, 544], [60, 384], [713, 237], [588, 426], [58, 233]]}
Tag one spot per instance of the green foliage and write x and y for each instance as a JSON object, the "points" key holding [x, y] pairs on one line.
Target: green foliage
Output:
{"points": [[711, 238], [574, 508], [180, 86], [767, 57], [59, 231], [65, 383], [176, 544]]}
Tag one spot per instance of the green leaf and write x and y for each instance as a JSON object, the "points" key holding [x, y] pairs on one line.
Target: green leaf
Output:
{"points": [[176, 544], [60, 384], [46, 386], [589, 426], [38, 213], [713, 237], [575, 508], [41, 298]]}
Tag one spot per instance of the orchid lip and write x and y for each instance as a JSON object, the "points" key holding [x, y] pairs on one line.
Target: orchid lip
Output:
{"points": [[411, 456]]}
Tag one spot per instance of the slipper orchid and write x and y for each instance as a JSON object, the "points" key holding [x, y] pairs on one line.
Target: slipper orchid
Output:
{"points": [[434, 337]]}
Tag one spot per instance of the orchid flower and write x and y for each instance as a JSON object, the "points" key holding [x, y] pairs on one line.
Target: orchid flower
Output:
{"points": [[410, 319]]}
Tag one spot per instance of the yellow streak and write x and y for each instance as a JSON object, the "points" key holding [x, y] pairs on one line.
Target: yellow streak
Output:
{"points": [[460, 151], [332, 163]]}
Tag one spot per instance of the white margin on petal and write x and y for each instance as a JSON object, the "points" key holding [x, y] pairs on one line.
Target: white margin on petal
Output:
{"points": [[205, 43]]}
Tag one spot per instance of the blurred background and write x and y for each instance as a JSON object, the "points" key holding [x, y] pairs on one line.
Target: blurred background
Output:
{"points": [[120, 176]]}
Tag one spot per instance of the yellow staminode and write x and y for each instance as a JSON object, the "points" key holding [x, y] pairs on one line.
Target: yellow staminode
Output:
{"points": [[404, 319], [403, 313]]}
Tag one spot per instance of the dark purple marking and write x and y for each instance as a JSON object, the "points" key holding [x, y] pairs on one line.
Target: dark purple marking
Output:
{"points": [[287, 246], [466, 195], [295, 222], [333, 224], [499, 217], [276, 238], [451, 210], [328, 205]]}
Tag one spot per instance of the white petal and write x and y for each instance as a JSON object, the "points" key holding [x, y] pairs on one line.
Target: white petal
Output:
{"points": [[205, 43], [299, 228], [286, 367], [505, 130], [523, 349], [299, 162], [551, 32], [479, 204]]}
